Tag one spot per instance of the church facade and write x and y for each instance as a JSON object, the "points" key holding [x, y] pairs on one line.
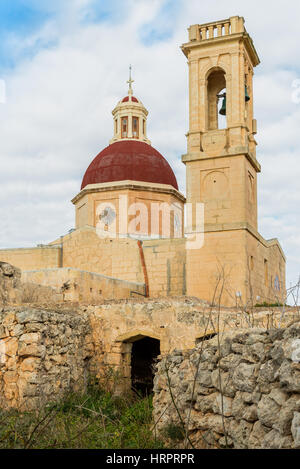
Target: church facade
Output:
{"points": [[130, 235]]}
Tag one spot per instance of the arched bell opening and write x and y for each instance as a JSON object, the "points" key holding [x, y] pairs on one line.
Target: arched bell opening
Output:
{"points": [[144, 353], [222, 107], [216, 100]]}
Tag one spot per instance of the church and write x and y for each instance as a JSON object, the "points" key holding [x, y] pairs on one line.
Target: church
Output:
{"points": [[136, 234]]}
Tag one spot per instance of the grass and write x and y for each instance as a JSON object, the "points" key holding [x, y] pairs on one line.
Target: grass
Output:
{"points": [[94, 420], [268, 305]]}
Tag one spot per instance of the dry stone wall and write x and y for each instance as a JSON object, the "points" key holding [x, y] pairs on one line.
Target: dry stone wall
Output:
{"points": [[242, 391], [9, 283], [43, 355]]}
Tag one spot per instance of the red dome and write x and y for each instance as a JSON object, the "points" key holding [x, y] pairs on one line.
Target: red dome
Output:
{"points": [[129, 160], [133, 98]]}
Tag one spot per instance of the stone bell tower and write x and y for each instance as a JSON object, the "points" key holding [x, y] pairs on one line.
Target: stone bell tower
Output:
{"points": [[221, 164]]}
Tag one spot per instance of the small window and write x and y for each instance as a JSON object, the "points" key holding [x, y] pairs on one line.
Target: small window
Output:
{"points": [[116, 126], [124, 127], [266, 271], [135, 127], [251, 262], [277, 283]]}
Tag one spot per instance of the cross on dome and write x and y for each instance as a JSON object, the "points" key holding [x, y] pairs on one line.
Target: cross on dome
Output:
{"points": [[130, 81]]}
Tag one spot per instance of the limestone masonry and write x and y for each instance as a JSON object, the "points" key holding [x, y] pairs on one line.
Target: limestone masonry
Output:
{"points": [[140, 300], [242, 391], [43, 355], [129, 213], [47, 351]]}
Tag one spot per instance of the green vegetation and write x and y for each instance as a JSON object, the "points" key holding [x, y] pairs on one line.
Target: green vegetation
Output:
{"points": [[268, 305], [94, 420], [174, 432]]}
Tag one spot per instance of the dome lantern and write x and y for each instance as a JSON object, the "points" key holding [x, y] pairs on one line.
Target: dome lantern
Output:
{"points": [[130, 118]]}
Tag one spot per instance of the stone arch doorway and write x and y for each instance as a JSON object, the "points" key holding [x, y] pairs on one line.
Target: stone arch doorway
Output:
{"points": [[144, 352], [138, 352]]}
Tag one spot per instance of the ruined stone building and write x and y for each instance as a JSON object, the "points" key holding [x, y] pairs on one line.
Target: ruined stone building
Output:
{"points": [[130, 237]]}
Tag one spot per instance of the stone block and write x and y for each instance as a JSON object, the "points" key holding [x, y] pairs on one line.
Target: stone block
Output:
{"points": [[34, 350], [30, 364]]}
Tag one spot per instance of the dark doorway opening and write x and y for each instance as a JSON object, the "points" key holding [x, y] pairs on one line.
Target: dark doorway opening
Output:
{"points": [[143, 355]]}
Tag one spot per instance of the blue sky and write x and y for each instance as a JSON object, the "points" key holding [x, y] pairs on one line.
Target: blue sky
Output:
{"points": [[65, 65], [161, 28], [19, 19], [22, 18]]}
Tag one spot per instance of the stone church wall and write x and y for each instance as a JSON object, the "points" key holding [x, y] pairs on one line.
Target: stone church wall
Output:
{"points": [[32, 258], [265, 270], [83, 287], [236, 257], [172, 270], [240, 391], [120, 259]]}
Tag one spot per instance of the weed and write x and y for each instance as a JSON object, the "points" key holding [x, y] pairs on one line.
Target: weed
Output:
{"points": [[93, 420]]}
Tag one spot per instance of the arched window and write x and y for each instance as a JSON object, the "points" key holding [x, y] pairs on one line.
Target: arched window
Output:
{"points": [[216, 100], [266, 269], [277, 283], [124, 127], [135, 127]]}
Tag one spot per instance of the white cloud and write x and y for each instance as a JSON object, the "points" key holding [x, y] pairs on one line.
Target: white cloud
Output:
{"points": [[58, 111]]}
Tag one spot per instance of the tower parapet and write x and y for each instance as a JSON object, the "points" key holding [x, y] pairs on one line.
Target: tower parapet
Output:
{"points": [[232, 25]]}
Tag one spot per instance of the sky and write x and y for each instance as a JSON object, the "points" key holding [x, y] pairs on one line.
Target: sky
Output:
{"points": [[64, 66]]}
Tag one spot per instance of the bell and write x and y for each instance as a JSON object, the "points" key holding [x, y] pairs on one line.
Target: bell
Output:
{"points": [[247, 97], [223, 108]]}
